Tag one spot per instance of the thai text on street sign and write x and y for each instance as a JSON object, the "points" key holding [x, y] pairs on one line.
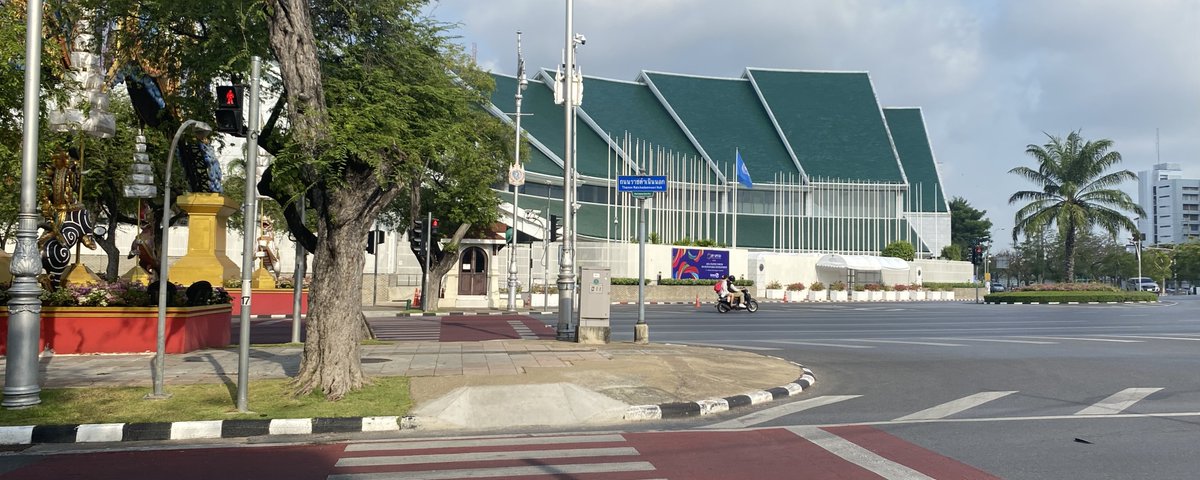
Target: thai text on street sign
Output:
{"points": [[642, 183]]}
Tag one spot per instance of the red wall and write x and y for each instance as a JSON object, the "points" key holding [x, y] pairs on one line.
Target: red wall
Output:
{"points": [[127, 330], [269, 301]]}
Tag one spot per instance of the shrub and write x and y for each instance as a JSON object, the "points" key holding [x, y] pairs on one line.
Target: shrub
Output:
{"points": [[900, 287], [626, 281], [873, 287], [838, 286], [121, 293], [551, 289], [1068, 287], [683, 242], [899, 249], [817, 287], [795, 287], [1060, 296], [858, 287], [916, 287], [774, 285], [952, 285], [888, 288]]}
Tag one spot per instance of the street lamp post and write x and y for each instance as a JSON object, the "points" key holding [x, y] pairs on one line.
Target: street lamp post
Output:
{"points": [[516, 182], [160, 336], [566, 264], [21, 386]]}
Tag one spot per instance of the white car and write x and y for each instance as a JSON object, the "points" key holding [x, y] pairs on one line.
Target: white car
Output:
{"points": [[1145, 284]]}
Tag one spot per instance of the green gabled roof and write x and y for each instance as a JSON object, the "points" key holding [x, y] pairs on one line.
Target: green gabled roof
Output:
{"points": [[912, 142], [502, 98], [724, 115], [832, 121], [619, 107]]}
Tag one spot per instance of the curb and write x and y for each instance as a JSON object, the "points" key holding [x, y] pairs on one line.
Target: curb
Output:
{"points": [[718, 405], [214, 429], [193, 430], [463, 314], [1067, 303]]}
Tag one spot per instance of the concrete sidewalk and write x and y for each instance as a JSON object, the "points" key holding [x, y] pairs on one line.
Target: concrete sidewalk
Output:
{"points": [[487, 384]]}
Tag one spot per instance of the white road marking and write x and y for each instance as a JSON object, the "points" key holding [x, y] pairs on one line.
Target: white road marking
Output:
{"points": [[856, 454], [485, 456], [815, 344], [955, 406], [1081, 339], [1118, 402], [931, 344], [502, 472], [996, 340], [483, 442], [1152, 338], [772, 413]]}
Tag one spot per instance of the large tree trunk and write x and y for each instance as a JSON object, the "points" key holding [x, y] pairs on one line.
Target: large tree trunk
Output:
{"points": [[1069, 251]]}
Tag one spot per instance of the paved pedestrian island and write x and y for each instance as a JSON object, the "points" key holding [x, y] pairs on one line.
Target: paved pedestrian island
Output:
{"points": [[457, 328]]}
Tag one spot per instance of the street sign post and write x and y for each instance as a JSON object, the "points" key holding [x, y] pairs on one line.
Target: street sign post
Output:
{"points": [[641, 187], [645, 184]]}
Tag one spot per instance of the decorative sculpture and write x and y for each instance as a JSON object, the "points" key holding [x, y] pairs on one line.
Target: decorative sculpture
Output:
{"points": [[70, 223]]}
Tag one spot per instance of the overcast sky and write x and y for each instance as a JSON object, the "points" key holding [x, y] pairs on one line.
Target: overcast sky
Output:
{"points": [[990, 75]]}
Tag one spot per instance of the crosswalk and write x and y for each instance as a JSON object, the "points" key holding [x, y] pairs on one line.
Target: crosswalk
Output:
{"points": [[965, 341], [407, 328], [1119, 403]]}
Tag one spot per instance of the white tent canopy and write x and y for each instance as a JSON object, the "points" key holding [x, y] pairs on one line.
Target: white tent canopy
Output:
{"points": [[862, 263]]}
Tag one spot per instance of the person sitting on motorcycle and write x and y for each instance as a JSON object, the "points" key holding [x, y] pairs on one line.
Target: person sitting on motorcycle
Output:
{"points": [[735, 293]]}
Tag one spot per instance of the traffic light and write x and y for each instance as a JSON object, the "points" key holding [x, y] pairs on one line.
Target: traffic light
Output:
{"points": [[374, 237], [977, 255], [433, 228], [416, 238], [229, 110], [553, 228]]}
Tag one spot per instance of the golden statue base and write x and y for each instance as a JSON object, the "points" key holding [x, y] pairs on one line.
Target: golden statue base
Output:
{"points": [[137, 274], [79, 275], [262, 279], [205, 258]]}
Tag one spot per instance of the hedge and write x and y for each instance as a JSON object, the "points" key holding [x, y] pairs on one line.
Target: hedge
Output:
{"points": [[948, 286], [626, 281], [1062, 297]]}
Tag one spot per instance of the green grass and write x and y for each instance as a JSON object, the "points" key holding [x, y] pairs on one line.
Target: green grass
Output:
{"points": [[266, 399], [1068, 296]]}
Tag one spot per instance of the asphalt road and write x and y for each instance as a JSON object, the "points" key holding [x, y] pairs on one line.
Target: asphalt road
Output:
{"points": [[1020, 391]]}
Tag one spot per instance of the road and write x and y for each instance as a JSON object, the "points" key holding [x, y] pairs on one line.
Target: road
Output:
{"points": [[904, 390]]}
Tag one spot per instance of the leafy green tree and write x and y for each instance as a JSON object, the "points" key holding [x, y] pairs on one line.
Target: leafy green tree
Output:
{"points": [[952, 252], [900, 249], [1187, 262], [1075, 192], [967, 226]]}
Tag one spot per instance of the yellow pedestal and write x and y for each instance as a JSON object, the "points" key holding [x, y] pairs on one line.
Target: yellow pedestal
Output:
{"points": [[262, 279], [137, 274], [205, 258], [79, 275]]}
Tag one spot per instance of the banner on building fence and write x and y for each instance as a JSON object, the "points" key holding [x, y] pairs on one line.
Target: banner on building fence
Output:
{"points": [[699, 263]]}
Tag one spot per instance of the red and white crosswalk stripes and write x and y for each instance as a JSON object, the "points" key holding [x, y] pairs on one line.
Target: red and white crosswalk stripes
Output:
{"points": [[795, 452]]}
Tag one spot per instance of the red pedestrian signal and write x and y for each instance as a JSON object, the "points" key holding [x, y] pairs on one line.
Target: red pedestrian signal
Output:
{"points": [[229, 110]]}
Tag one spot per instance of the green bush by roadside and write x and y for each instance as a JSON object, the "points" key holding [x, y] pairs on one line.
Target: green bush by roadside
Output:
{"points": [[1069, 296]]}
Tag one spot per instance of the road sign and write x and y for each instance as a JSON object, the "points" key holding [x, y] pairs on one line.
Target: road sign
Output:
{"points": [[642, 194], [516, 175], [641, 183]]}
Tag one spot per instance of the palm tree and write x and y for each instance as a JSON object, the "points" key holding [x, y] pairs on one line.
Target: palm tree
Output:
{"points": [[1076, 194]]}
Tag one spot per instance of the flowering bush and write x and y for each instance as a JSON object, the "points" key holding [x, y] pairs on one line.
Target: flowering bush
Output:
{"points": [[121, 293], [900, 287], [1068, 287], [858, 287], [774, 285], [817, 287], [872, 287], [795, 287], [838, 286]]}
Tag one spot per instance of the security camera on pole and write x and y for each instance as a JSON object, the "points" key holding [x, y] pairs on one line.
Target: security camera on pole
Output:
{"points": [[568, 90]]}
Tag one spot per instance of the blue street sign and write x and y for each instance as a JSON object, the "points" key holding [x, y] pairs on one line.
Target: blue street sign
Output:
{"points": [[641, 183]]}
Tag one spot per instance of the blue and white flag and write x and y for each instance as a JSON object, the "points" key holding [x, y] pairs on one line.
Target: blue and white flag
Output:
{"points": [[743, 175]]}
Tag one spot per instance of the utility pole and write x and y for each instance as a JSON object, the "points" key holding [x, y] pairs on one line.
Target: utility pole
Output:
{"points": [[566, 266]]}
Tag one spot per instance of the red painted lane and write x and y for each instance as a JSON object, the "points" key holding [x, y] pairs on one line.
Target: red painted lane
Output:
{"points": [[312, 462], [770, 453], [910, 455]]}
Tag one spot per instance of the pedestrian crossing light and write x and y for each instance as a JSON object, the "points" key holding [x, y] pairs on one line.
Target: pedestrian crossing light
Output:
{"points": [[553, 234], [229, 110], [416, 238]]}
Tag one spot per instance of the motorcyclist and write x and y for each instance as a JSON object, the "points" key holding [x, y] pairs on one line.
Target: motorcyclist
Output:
{"points": [[735, 293]]}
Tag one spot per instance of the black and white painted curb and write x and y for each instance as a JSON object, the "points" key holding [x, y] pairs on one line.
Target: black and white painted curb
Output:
{"points": [[209, 429], [718, 405], [1069, 303], [459, 314]]}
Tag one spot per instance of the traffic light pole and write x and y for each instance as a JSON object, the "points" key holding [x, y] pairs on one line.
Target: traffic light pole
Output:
{"points": [[249, 225], [428, 253]]}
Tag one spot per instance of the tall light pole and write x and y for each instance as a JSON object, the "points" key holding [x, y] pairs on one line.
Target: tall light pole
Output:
{"points": [[516, 177], [566, 265], [160, 343], [21, 386]]}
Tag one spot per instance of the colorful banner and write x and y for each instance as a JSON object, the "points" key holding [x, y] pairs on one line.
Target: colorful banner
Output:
{"points": [[699, 263]]}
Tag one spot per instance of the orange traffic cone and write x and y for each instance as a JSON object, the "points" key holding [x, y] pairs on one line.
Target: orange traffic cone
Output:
{"points": [[697, 301], [416, 302], [785, 296]]}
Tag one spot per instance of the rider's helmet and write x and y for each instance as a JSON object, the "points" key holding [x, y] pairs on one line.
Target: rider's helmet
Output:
{"points": [[730, 278]]}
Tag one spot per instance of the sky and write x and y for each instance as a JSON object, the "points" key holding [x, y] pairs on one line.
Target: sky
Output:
{"points": [[991, 76]]}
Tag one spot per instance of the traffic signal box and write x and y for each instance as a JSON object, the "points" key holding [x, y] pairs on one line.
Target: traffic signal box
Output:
{"points": [[229, 110], [416, 238], [977, 255], [553, 228]]}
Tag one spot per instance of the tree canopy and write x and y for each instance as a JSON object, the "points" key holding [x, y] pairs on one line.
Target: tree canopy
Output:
{"points": [[1075, 192], [968, 226]]}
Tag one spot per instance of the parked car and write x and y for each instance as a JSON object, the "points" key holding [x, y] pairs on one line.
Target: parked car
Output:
{"points": [[997, 287], [1145, 284]]}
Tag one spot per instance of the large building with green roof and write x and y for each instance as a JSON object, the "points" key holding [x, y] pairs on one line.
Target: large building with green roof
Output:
{"points": [[832, 170]]}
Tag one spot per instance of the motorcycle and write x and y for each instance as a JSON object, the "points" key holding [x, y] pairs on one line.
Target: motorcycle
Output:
{"points": [[747, 303]]}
